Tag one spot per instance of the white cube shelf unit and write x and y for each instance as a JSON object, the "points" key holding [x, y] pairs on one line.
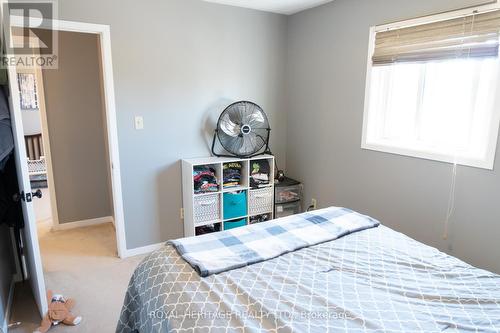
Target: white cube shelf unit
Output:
{"points": [[204, 210]]}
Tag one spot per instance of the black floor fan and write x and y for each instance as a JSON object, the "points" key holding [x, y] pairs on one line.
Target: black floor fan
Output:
{"points": [[243, 131]]}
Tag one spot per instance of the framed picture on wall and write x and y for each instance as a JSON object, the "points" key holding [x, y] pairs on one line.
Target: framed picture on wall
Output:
{"points": [[27, 91]]}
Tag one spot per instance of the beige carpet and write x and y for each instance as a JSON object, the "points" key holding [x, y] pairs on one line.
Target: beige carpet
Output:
{"points": [[81, 264]]}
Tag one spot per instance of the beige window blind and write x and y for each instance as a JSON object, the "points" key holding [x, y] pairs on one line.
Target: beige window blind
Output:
{"points": [[470, 36]]}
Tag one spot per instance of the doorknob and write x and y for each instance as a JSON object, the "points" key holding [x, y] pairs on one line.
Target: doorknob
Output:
{"points": [[27, 196]]}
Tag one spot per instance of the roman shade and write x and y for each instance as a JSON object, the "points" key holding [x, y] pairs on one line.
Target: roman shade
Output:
{"points": [[471, 36]]}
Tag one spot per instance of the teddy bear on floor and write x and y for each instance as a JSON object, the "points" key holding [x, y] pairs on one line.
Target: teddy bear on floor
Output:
{"points": [[59, 312]]}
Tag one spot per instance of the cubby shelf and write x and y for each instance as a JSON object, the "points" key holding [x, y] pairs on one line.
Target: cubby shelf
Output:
{"points": [[205, 193], [207, 208], [202, 224], [234, 189]]}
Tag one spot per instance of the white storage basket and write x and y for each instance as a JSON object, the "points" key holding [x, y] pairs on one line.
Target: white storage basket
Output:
{"points": [[206, 208], [260, 201]]}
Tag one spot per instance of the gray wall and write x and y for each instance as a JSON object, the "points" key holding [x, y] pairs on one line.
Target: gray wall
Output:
{"points": [[178, 63], [327, 55], [76, 127], [7, 270]]}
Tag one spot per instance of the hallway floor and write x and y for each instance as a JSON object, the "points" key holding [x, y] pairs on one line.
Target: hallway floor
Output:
{"points": [[81, 264]]}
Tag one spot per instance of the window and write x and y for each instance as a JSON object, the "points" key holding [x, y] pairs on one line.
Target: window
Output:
{"points": [[433, 88]]}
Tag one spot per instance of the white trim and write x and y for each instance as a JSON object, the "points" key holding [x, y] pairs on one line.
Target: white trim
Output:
{"points": [[143, 250], [61, 25], [8, 306], [103, 31], [489, 160], [371, 49], [114, 151], [83, 223], [487, 163], [109, 96]]}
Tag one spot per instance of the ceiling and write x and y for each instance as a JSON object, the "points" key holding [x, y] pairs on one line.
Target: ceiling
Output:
{"points": [[286, 7]]}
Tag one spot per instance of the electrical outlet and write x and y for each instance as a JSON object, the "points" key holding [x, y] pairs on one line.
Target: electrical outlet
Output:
{"points": [[314, 203], [182, 213]]}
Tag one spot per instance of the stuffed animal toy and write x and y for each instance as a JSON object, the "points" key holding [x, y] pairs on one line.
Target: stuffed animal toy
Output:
{"points": [[59, 312]]}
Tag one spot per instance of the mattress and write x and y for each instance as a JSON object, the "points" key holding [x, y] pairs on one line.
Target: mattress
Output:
{"points": [[376, 280]]}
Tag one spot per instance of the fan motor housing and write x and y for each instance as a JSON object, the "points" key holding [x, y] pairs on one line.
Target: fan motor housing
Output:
{"points": [[246, 129]]}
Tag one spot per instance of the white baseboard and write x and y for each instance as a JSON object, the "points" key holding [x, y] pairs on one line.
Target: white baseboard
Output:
{"points": [[142, 250], [8, 306], [83, 223]]}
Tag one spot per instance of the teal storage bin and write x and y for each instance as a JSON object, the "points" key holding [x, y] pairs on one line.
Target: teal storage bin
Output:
{"points": [[228, 225], [235, 205]]}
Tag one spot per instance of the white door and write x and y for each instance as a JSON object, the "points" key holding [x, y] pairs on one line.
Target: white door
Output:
{"points": [[31, 248]]}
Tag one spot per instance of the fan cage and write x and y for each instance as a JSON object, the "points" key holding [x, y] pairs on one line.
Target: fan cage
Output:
{"points": [[265, 150]]}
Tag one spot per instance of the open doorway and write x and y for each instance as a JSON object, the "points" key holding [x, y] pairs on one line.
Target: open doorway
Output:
{"points": [[82, 251], [67, 151], [73, 165]]}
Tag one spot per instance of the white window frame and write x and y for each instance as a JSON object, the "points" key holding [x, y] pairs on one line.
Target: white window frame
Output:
{"points": [[488, 162]]}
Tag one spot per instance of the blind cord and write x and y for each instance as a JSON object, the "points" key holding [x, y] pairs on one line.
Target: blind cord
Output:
{"points": [[452, 195], [451, 200]]}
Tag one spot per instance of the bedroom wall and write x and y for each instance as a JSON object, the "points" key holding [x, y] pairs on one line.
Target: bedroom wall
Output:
{"points": [[75, 118], [178, 63], [7, 271], [327, 55]]}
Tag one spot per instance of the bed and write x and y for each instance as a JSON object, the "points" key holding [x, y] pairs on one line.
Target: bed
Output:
{"points": [[371, 280]]}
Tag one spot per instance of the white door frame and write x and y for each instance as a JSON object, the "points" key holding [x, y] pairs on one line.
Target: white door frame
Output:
{"points": [[103, 31]]}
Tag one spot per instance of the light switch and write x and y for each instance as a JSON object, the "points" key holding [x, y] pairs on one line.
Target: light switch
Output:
{"points": [[139, 123]]}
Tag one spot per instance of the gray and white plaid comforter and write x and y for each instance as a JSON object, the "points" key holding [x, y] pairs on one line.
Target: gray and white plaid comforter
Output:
{"points": [[376, 280], [223, 251]]}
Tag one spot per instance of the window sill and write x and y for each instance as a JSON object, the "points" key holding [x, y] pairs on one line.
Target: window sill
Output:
{"points": [[476, 163]]}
